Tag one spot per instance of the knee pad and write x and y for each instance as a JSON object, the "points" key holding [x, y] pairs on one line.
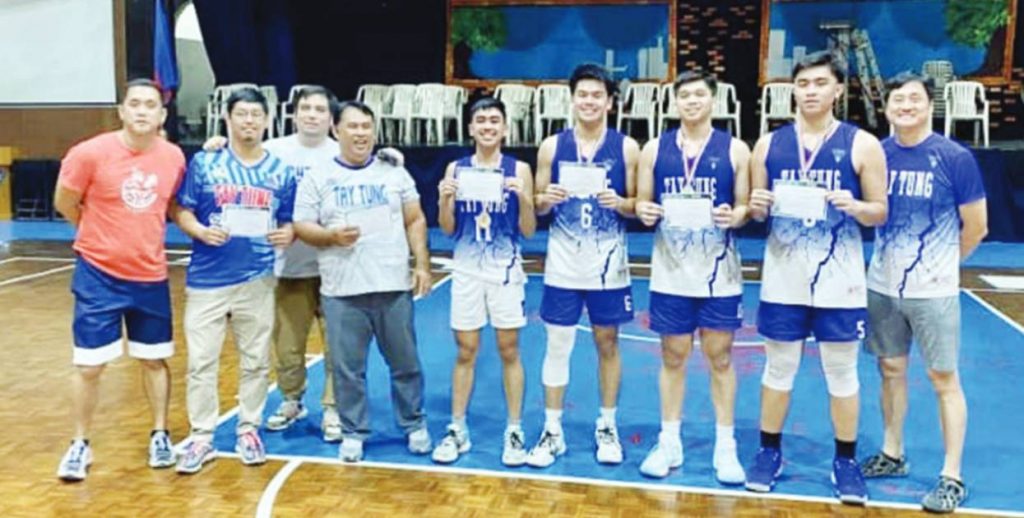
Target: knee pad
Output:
{"points": [[839, 361], [782, 361], [561, 340]]}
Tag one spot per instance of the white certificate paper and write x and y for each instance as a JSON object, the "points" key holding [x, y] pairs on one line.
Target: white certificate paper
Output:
{"points": [[372, 221], [243, 221], [799, 201], [480, 184], [687, 212], [582, 180]]}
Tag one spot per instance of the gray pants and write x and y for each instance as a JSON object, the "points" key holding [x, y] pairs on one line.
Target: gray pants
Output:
{"points": [[351, 323]]}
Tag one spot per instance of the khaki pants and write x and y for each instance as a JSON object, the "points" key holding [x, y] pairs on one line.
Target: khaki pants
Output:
{"points": [[251, 306], [297, 303]]}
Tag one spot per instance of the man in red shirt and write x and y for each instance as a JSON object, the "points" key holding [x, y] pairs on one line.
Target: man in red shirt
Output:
{"points": [[116, 189]]}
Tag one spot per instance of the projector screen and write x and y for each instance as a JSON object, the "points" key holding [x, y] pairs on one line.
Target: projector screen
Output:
{"points": [[57, 52]]}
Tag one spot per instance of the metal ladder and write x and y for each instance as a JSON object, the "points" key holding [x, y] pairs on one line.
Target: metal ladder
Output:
{"points": [[844, 39]]}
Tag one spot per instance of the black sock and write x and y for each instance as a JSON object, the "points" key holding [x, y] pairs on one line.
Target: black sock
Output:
{"points": [[154, 432], [771, 440], [846, 449]]}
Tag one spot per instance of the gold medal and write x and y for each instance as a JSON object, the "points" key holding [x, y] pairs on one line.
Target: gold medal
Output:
{"points": [[483, 220]]}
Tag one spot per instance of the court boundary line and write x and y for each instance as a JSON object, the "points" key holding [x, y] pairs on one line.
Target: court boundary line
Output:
{"points": [[526, 474], [37, 275], [992, 309], [265, 509]]}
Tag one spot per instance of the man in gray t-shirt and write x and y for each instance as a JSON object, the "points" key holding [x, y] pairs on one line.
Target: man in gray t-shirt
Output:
{"points": [[365, 217]]}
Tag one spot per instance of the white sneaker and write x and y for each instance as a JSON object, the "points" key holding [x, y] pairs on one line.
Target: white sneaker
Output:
{"points": [[548, 448], [331, 425], [161, 453], [287, 413], [728, 469], [663, 457], [514, 453], [609, 451], [419, 442], [455, 442], [75, 463], [351, 450]]}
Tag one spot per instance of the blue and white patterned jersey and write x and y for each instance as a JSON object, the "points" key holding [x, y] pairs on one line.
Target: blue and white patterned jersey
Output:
{"points": [[695, 262], [487, 246], [917, 251], [587, 243], [818, 264]]}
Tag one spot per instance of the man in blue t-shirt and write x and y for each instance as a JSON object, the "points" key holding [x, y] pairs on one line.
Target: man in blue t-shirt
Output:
{"points": [[937, 216], [236, 204]]}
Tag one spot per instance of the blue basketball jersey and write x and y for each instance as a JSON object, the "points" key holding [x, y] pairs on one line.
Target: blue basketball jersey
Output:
{"points": [[216, 179], [487, 234], [695, 262], [587, 243], [917, 251], [818, 264]]}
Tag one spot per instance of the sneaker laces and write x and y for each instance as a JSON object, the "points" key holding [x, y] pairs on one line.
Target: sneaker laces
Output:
{"points": [[451, 437], [548, 440], [515, 440], [607, 435], [77, 453]]}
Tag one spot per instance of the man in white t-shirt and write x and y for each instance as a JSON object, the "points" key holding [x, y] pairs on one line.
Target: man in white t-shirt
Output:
{"points": [[365, 217]]}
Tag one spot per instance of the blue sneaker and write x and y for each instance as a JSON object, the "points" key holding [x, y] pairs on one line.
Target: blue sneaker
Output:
{"points": [[767, 467], [848, 482]]}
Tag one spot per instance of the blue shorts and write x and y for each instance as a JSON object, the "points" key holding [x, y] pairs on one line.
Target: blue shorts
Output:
{"points": [[787, 323], [563, 307], [103, 302], [678, 315]]}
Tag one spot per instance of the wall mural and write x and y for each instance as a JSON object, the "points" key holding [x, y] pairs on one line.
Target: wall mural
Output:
{"points": [[976, 36], [544, 41]]}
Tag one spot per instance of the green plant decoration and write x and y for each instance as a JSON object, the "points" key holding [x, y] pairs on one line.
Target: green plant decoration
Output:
{"points": [[479, 28]]}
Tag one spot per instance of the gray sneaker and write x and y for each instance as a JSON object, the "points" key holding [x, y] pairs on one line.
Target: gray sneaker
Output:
{"points": [[945, 497], [881, 465], [287, 413]]}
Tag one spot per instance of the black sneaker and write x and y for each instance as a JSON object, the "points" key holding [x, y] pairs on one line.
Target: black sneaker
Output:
{"points": [[945, 497], [881, 465]]}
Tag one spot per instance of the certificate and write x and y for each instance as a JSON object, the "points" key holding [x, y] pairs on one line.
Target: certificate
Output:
{"points": [[480, 184], [687, 212], [371, 221], [799, 200], [581, 179], [241, 221]]}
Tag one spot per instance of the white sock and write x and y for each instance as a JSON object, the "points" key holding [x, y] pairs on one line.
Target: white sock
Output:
{"points": [[513, 425], [553, 421], [460, 423], [608, 416], [724, 438], [670, 430]]}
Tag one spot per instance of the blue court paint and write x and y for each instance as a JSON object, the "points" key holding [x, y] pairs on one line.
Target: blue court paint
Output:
{"points": [[991, 365]]}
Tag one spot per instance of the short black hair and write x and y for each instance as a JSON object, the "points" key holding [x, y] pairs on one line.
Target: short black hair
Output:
{"points": [[818, 59], [908, 76], [355, 105], [595, 72], [487, 103], [248, 95], [312, 90], [143, 82], [691, 76]]}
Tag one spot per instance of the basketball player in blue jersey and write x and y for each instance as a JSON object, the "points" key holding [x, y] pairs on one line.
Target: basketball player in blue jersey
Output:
{"points": [[818, 180], [488, 280], [937, 216], [696, 279], [587, 259]]}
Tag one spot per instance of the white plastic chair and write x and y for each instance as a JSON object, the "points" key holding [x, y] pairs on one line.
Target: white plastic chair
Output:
{"points": [[965, 100], [667, 110], [216, 106], [725, 97], [428, 107], [554, 104], [454, 103], [397, 113], [776, 104], [374, 96], [518, 101], [270, 92], [642, 100]]}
